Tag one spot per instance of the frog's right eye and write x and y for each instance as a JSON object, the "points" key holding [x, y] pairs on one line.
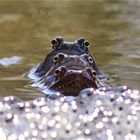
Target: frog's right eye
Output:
{"points": [[86, 43]]}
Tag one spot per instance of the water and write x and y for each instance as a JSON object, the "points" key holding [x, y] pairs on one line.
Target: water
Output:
{"points": [[27, 27]]}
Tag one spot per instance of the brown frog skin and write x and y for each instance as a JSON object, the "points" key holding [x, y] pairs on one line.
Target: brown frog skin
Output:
{"points": [[68, 68]]}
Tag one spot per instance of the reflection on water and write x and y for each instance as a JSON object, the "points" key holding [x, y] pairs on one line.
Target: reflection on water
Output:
{"points": [[26, 28], [9, 61]]}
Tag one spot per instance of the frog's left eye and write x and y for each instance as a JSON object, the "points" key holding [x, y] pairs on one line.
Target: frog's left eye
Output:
{"points": [[86, 43]]}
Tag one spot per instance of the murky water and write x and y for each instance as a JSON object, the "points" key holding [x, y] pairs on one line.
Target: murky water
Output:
{"points": [[27, 27]]}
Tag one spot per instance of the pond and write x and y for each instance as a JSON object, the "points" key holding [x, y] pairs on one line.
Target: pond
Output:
{"points": [[27, 28]]}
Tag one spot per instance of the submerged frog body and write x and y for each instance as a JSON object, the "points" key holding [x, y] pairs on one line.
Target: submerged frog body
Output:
{"points": [[68, 68]]}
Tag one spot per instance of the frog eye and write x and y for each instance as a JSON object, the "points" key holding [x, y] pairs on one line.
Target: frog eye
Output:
{"points": [[58, 57], [94, 74], [54, 43], [86, 43], [90, 59], [57, 72], [57, 41]]}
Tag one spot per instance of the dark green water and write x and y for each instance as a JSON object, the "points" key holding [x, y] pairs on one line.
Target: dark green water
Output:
{"points": [[27, 28]]}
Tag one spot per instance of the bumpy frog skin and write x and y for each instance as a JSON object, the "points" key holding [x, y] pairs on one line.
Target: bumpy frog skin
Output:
{"points": [[68, 68]]}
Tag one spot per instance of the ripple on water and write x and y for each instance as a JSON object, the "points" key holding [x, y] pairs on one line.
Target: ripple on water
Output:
{"points": [[7, 61]]}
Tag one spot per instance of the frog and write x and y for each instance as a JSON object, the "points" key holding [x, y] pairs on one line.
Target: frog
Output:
{"points": [[68, 68]]}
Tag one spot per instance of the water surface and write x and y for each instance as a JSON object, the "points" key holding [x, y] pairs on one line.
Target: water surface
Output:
{"points": [[27, 28]]}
